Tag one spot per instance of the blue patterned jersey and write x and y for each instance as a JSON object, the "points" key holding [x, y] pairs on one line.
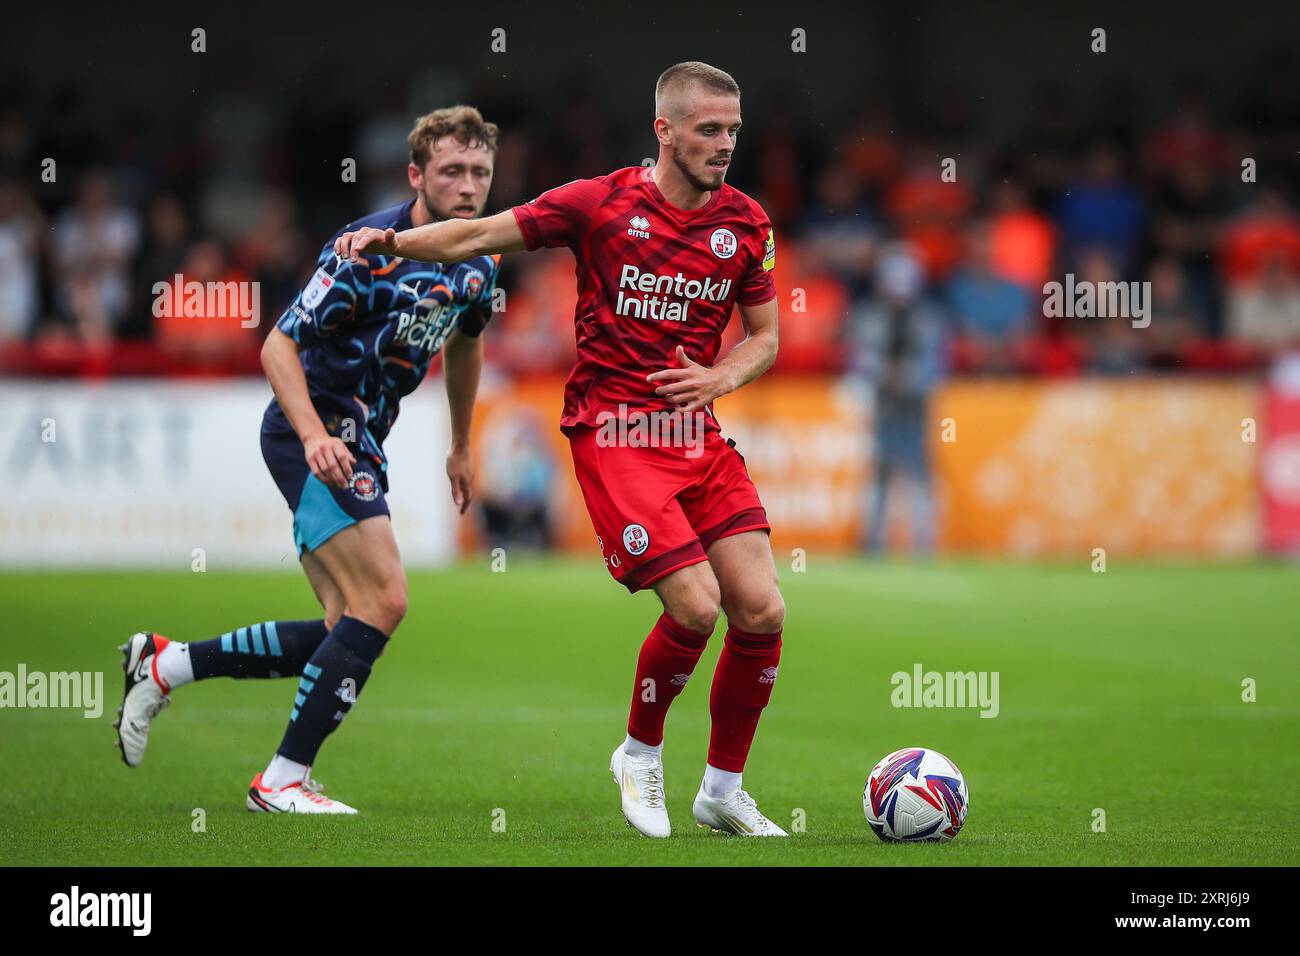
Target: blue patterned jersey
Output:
{"points": [[368, 330]]}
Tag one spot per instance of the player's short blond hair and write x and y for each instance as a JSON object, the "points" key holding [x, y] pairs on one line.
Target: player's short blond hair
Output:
{"points": [[464, 123], [677, 79]]}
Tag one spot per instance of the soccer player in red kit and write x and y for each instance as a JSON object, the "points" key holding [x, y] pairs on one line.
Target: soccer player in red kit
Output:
{"points": [[664, 253]]}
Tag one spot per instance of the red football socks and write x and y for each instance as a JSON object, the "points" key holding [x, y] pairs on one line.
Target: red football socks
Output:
{"points": [[667, 659], [742, 686]]}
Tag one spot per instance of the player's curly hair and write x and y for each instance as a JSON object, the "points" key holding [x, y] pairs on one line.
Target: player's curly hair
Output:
{"points": [[465, 123]]}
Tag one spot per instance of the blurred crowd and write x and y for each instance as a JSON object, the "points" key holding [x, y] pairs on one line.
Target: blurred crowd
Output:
{"points": [[909, 248]]}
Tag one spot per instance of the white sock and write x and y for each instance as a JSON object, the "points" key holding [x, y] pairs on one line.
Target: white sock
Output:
{"points": [[281, 772], [633, 746], [174, 665], [719, 783]]}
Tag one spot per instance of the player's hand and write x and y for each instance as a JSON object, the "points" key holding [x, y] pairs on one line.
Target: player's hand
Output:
{"points": [[377, 242], [691, 386], [330, 460], [460, 472]]}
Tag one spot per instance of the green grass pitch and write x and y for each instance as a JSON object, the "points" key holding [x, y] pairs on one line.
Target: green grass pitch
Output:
{"points": [[501, 696]]}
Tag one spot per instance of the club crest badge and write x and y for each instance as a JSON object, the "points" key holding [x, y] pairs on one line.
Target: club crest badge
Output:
{"points": [[636, 539], [723, 243], [474, 283], [364, 486]]}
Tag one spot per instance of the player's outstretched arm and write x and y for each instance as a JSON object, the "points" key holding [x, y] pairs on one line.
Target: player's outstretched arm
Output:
{"points": [[691, 386], [451, 240]]}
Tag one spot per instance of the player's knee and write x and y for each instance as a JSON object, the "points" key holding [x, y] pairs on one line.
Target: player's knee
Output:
{"points": [[393, 603], [692, 598], [763, 613], [697, 610], [700, 618], [382, 607]]}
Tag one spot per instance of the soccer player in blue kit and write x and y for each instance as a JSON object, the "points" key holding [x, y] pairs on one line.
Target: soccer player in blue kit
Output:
{"points": [[359, 337]]}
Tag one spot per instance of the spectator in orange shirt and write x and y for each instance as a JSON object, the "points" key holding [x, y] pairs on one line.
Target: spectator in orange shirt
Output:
{"points": [[928, 213], [221, 333], [1022, 242]]}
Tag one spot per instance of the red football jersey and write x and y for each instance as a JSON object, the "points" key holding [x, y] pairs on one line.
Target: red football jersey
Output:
{"points": [[651, 277]]}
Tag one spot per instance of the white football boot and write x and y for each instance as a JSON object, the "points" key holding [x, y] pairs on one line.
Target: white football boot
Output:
{"points": [[144, 697], [305, 796], [640, 779], [735, 813]]}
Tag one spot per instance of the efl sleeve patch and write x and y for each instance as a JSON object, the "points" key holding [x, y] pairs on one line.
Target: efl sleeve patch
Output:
{"points": [[769, 251], [317, 288]]}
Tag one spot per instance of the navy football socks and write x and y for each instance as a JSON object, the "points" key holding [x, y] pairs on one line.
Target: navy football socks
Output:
{"points": [[330, 684], [272, 649]]}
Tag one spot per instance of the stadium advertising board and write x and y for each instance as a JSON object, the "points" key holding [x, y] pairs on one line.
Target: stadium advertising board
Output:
{"points": [[171, 475]]}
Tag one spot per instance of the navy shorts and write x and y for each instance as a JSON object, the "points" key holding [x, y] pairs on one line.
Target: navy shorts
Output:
{"points": [[319, 511]]}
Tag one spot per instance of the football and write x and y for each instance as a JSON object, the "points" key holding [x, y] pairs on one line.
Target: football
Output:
{"points": [[915, 794]]}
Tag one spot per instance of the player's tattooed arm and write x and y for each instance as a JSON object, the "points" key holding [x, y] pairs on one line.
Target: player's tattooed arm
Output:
{"points": [[691, 385], [451, 240], [328, 457], [462, 359]]}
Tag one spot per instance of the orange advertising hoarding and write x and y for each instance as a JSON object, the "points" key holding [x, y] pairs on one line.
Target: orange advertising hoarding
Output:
{"points": [[1144, 467]]}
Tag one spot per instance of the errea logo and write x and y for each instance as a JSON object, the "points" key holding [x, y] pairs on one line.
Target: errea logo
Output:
{"points": [[640, 227]]}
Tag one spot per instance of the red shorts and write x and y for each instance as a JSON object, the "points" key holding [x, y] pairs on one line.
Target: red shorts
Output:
{"points": [[659, 509]]}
